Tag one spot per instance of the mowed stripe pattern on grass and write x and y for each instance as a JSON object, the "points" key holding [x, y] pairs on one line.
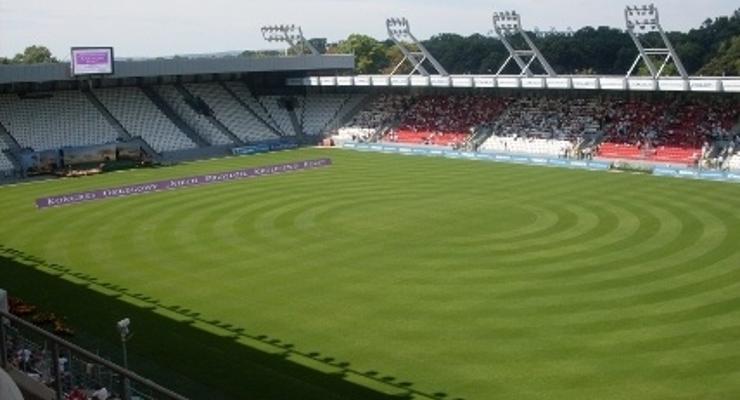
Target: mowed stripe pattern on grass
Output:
{"points": [[471, 279]]}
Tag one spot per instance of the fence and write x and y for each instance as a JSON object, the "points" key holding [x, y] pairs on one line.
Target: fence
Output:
{"points": [[62, 365]]}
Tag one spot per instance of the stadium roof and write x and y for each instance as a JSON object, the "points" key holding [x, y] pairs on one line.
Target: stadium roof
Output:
{"points": [[41, 73]]}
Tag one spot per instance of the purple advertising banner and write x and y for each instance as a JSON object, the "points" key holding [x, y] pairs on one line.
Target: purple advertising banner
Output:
{"points": [[143, 188]]}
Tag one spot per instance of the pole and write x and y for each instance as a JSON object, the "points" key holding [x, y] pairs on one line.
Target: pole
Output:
{"points": [[3, 344], [56, 371], [126, 382]]}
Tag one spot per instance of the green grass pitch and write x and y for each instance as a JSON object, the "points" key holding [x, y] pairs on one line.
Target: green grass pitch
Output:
{"points": [[447, 279]]}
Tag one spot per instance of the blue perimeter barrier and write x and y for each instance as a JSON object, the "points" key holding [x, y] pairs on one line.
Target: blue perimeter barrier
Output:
{"points": [[506, 158], [262, 148], [697, 174]]}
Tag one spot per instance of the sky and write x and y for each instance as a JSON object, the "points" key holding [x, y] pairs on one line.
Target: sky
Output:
{"points": [[150, 28]]}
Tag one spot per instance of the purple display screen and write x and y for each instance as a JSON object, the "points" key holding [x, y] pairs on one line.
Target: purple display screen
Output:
{"points": [[92, 61]]}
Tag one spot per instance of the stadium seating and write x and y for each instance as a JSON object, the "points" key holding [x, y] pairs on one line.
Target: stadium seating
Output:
{"points": [[231, 113], [6, 166], [279, 114], [445, 120], [530, 145], [549, 117], [319, 110], [672, 131], [734, 163], [199, 122], [241, 90], [133, 109], [368, 121], [55, 120]]}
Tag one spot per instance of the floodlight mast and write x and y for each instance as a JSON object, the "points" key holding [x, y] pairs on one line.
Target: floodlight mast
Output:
{"points": [[509, 23], [291, 34], [647, 18], [399, 31]]}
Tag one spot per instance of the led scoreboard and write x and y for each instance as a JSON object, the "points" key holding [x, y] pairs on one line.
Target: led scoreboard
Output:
{"points": [[92, 61]]}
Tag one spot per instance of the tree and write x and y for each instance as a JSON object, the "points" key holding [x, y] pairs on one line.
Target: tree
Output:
{"points": [[370, 55], [709, 49], [728, 61], [35, 55]]}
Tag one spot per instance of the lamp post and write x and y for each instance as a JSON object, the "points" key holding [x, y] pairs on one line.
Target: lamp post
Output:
{"points": [[399, 31], [123, 328], [643, 19], [291, 34], [507, 24]]}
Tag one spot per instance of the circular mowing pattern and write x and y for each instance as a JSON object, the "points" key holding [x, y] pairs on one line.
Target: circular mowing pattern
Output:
{"points": [[595, 282]]}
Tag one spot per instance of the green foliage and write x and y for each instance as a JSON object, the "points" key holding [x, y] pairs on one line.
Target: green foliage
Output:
{"points": [[262, 53], [601, 50], [728, 61], [34, 55], [370, 54]]}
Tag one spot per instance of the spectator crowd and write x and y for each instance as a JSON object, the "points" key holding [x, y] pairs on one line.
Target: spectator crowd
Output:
{"points": [[676, 129]]}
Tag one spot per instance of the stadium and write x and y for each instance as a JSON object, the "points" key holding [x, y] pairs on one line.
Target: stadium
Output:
{"points": [[286, 227]]}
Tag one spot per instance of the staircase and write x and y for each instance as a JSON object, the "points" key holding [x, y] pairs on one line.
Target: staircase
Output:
{"points": [[172, 115], [479, 136], [384, 129], [14, 148], [184, 92], [8, 139], [346, 112], [249, 109], [297, 126], [115, 123]]}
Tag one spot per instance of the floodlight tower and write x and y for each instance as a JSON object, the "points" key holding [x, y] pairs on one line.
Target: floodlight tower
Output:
{"points": [[291, 34], [642, 19], [399, 32], [509, 23]]}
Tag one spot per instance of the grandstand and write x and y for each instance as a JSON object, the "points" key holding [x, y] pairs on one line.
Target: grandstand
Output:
{"points": [[234, 115], [445, 120], [378, 113], [195, 113], [319, 110], [241, 91], [276, 108], [170, 118], [138, 114], [6, 165], [54, 120]]}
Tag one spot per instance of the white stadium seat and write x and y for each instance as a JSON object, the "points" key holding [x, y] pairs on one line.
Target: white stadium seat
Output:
{"points": [[241, 90], [200, 123], [63, 118], [133, 109], [279, 114], [231, 113], [319, 110]]}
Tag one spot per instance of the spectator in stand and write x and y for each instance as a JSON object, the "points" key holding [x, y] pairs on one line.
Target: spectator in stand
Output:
{"points": [[445, 120], [100, 393], [76, 394]]}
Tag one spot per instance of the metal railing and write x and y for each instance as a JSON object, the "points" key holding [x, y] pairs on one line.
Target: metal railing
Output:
{"points": [[63, 365]]}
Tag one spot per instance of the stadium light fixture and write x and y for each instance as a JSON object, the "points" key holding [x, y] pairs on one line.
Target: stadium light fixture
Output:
{"points": [[644, 19], [291, 34], [507, 24], [399, 31], [124, 329]]}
